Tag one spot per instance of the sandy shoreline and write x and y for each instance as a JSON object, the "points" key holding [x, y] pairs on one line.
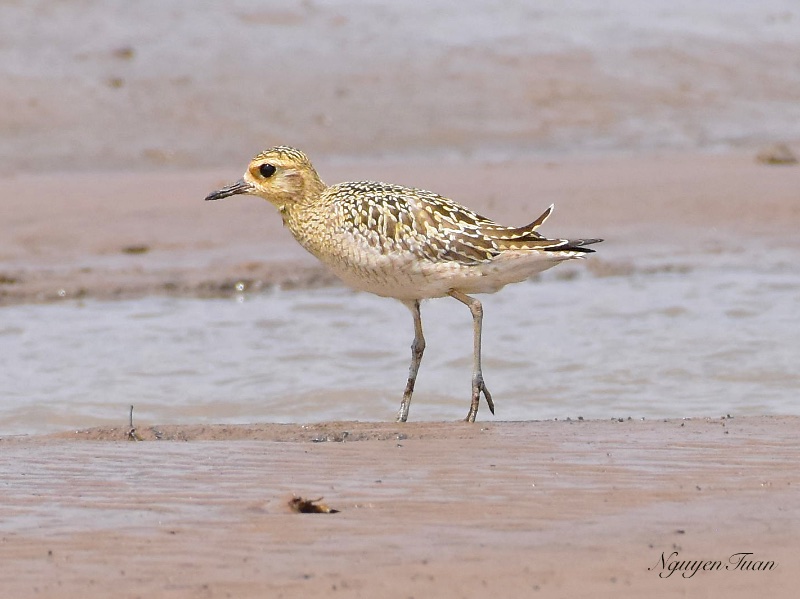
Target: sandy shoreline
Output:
{"points": [[641, 123], [117, 235], [515, 509]]}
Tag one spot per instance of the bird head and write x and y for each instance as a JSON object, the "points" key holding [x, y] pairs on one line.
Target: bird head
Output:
{"points": [[281, 175]]}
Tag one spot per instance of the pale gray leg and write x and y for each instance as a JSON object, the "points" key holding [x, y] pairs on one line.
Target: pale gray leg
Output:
{"points": [[417, 348], [478, 385]]}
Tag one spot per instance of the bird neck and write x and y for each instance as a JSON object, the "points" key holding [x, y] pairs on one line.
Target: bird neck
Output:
{"points": [[313, 188], [305, 207], [302, 192]]}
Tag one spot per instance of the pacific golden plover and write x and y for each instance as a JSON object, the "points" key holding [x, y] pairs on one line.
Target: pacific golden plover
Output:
{"points": [[404, 243]]}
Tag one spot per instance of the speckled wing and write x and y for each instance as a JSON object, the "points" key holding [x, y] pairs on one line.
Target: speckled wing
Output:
{"points": [[396, 219]]}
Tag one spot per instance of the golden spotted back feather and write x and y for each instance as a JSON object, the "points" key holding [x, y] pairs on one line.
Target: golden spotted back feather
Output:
{"points": [[392, 218]]}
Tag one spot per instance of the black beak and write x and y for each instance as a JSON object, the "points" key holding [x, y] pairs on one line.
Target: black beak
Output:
{"points": [[241, 186]]}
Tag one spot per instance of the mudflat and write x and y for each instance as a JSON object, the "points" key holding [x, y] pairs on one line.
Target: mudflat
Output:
{"points": [[642, 126], [702, 507], [515, 509]]}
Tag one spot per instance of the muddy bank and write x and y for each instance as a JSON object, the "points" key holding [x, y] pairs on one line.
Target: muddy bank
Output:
{"points": [[455, 510]]}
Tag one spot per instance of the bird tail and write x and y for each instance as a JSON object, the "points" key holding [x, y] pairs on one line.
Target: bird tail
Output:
{"points": [[530, 234], [540, 221], [575, 245]]}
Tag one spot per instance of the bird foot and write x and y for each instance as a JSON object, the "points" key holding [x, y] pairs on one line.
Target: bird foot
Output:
{"points": [[478, 387]]}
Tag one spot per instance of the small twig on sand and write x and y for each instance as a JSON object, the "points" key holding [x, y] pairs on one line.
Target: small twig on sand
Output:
{"points": [[131, 434]]}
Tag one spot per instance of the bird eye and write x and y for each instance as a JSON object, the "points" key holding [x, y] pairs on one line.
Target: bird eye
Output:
{"points": [[266, 170]]}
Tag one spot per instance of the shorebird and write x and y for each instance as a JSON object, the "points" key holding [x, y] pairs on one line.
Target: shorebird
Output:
{"points": [[404, 243]]}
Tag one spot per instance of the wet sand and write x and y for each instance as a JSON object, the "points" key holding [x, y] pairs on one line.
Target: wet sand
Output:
{"points": [[118, 121], [513, 509], [427, 509], [181, 86]]}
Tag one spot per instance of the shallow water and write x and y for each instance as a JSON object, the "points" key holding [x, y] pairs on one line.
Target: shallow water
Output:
{"points": [[710, 338]]}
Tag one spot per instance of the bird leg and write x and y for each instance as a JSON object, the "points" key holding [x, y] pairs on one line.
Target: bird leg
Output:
{"points": [[417, 348], [478, 386]]}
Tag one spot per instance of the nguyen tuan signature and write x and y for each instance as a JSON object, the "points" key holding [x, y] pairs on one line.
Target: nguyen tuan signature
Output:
{"points": [[667, 565]]}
